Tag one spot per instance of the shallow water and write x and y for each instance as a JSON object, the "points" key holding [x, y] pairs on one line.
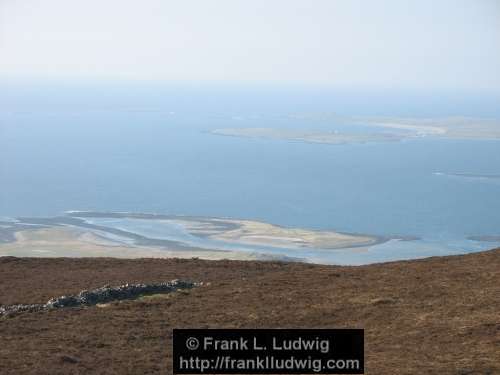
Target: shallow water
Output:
{"points": [[113, 150], [391, 250]]}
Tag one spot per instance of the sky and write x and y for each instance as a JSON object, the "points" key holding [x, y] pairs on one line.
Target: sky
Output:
{"points": [[402, 44]]}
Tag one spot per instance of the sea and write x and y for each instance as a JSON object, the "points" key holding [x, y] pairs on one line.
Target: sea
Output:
{"points": [[148, 148]]}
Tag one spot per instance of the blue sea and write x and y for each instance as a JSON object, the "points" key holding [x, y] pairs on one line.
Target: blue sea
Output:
{"points": [[148, 148]]}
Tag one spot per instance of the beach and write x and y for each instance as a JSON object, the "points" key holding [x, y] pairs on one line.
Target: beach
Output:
{"points": [[128, 235]]}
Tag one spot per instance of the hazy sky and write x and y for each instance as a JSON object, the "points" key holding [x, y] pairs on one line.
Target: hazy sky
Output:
{"points": [[431, 44]]}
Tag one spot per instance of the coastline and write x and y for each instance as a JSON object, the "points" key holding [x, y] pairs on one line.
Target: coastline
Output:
{"points": [[69, 242], [393, 129], [170, 236], [138, 235]]}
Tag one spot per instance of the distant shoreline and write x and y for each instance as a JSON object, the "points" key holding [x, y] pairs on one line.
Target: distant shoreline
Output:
{"points": [[393, 129]]}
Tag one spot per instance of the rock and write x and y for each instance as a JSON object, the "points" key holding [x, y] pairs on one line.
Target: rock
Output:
{"points": [[101, 295], [69, 359]]}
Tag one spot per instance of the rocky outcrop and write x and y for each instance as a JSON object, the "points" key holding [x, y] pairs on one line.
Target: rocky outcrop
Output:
{"points": [[101, 295]]}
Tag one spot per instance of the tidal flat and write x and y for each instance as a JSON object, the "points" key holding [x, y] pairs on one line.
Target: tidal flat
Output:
{"points": [[139, 235], [129, 235]]}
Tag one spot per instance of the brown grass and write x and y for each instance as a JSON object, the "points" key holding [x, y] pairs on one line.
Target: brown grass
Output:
{"points": [[432, 316]]}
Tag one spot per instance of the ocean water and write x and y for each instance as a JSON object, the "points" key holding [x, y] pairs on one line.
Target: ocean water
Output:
{"points": [[148, 149]]}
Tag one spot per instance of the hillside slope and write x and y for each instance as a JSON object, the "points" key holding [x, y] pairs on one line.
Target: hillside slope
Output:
{"points": [[431, 316]]}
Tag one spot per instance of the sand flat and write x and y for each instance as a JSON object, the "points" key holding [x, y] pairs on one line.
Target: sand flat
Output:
{"points": [[76, 243], [260, 233]]}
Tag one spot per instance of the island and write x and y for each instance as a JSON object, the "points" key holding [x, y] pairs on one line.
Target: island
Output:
{"points": [[378, 129]]}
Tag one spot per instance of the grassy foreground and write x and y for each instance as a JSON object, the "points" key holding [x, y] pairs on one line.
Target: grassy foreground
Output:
{"points": [[431, 316]]}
